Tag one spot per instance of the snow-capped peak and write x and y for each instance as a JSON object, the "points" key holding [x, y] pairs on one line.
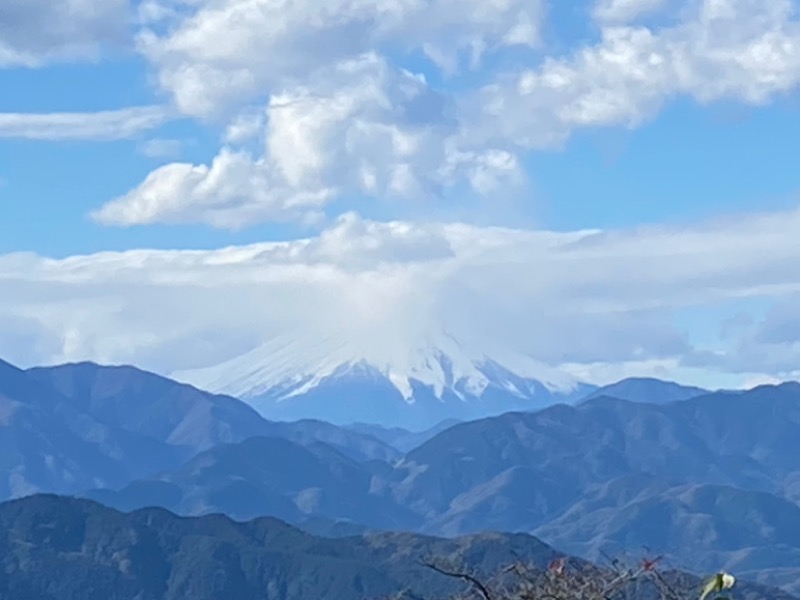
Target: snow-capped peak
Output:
{"points": [[288, 366]]}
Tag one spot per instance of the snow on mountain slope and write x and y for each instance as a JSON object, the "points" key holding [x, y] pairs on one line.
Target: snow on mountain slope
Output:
{"points": [[344, 379]]}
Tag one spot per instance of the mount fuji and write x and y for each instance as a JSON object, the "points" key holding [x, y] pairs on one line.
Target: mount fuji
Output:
{"points": [[343, 380]]}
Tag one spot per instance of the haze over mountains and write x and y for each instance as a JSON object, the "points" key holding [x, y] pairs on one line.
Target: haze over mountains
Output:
{"points": [[712, 480]]}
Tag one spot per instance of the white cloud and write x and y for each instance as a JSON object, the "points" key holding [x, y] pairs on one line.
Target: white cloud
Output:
{"points": [[101, 126], [233, 191], [245, 127], [585, 300], [626, 11], [744, 50], [36, 32], [357, 245], [362, 127], [319, 109], [225, 51]]}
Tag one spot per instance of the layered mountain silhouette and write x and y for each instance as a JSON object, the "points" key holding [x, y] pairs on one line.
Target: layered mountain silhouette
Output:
{"points": [[719, 469], [273, 476], [712, 481], [57, 548], [80, 426]]}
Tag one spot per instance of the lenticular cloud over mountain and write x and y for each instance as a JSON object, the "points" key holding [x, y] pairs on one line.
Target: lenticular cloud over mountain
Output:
{"points": [[599, 306]]}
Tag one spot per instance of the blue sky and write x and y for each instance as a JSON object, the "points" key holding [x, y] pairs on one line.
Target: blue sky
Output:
{"points": [[650, 120]]}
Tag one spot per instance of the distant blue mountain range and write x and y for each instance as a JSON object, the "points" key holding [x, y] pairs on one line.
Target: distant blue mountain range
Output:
{"points": [[711, 479]]}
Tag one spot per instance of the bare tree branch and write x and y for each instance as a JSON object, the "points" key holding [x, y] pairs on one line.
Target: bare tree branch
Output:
{"points": [[568, 579], [473, 581]]}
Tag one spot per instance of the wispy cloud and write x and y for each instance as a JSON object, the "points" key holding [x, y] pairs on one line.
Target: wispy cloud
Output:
{"points": [[161, 148], [97, 126]]}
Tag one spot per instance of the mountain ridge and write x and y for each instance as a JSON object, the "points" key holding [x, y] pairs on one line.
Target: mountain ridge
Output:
{"points": [[522, 470], [77, 426], [58, 548], [648, 389], [515, 472], [49, 444]]}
